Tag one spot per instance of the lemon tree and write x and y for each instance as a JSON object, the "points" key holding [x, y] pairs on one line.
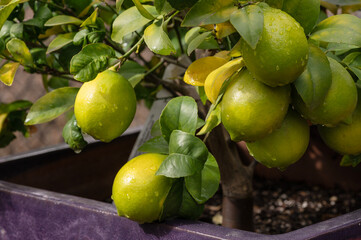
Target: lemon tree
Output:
{"points": [[234, 70]]}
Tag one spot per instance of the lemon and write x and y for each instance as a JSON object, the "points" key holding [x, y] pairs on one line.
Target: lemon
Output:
{"points": [[137, 192], [282, 52], [345, 138], [283, 146], [340, 101], [105, 106], [251, 110], [198, 71]]}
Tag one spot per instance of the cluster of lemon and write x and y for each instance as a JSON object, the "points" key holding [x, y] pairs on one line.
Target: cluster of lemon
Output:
{"points": [[255, 107]]}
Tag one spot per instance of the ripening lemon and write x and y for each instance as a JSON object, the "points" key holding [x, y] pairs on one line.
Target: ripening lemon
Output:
{"points": [[282, 52], [198, 71], [340, 101], [105, 106], [138, 193], [250, 109], [345, 138], [283, 146]]}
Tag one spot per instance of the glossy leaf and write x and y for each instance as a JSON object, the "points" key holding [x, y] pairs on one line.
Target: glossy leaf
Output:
{"points": [[130, 69], [62, 20], [204, 184], [187, 155], [313, 84], [193, 37], [159, 4], [157, 39], [190, 209], [342, 28], [134, 80], [51, 105], [91, 20], [155, 145], [118, 5], [173, 201], [91, 60], [20, 52], [196, 42], [350, 160], [80, 36], [248, 21], [129, 21], [212, 121], [209, 12], [7, 72], [179, 114], [143, 10], [14, 106], [60, 41], [72, 135], [6, 10]]}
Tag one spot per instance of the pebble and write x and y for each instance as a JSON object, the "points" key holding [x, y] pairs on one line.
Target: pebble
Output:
{"points": [[281, 207]]}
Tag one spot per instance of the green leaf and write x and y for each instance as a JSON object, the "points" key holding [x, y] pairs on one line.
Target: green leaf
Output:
{"points": [[51, 105], [5, 29], [14, 106], [173, 201], [20, 52], [196, 42], [204, 184], [190, 209], [73, 136], [194, 38], [118, 5], [187, 156], [136, 79], [209, 12], [350, 160], [155, 145], [313, 84], [17, 30], [202, 94], [60, 41], [353, 59], [340, 48], [58, 82], [62, 20], [91, 60], [129, 21], [130, 69], [7, 72], [155, 131], [249, 23], [212, 121], [159, 4], [91, 20], [179, 114], [96, 36], [181, 4], [157, 39], [6, 10], [143, 10], [342, 28], [343, 2], [79, 37]]}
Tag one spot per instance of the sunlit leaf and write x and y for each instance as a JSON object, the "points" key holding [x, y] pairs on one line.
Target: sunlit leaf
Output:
{"points": [[7, 72]]}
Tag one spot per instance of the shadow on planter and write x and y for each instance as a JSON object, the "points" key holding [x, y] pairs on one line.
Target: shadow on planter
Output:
{"points": [[33, 213]]}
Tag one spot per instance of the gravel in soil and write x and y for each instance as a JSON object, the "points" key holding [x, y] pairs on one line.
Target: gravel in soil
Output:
{"points": [[281, 207]]}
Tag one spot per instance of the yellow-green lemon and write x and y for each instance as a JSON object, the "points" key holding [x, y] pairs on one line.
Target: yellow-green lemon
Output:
{"points": [[138, 193], [345, 138], [250, 109], [284, 145], [105, 106], [340, 101], [282, 52]]}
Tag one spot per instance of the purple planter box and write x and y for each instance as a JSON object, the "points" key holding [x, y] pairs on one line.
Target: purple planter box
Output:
{"points": [[28, 213]]}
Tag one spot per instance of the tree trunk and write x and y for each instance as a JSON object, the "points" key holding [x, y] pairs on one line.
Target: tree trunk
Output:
{"points": [[236, 180]]}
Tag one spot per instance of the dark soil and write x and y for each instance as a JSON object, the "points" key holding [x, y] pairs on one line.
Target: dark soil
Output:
{"points": [[281, 207]]}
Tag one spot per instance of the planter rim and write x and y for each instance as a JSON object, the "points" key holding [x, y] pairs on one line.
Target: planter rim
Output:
{"points": [[176, 229]]}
